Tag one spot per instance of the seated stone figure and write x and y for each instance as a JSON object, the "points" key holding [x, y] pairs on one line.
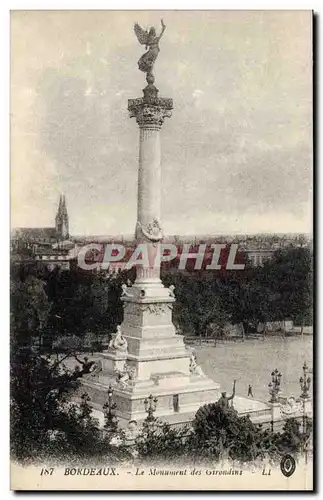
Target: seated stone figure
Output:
{"points": [[95, 369], [86, 364], [195, 369], [118, 343]]}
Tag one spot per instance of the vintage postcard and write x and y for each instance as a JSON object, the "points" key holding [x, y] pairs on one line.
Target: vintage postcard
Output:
{"points": [[161, 250]]}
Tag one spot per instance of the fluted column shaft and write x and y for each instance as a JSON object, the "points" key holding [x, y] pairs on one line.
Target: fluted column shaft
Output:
{"points": [[149, 177], [150, 112]]}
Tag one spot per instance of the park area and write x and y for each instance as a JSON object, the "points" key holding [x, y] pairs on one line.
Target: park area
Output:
{"points": [[252, 361]]}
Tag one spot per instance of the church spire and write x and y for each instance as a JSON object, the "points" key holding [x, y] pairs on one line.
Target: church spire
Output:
{"points": [[61, 220], [60, 204]]}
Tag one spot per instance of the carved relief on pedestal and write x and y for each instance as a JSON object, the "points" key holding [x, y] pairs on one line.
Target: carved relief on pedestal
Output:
{"points": [[135, 309], [156, 309], [127, 377], [291, 407]]}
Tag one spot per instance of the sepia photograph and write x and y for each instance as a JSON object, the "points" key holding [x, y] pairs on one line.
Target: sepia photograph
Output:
{"points": [[161, 250]]}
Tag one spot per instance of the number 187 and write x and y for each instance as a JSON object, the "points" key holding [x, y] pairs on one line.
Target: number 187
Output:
{"points": [[47, 472]]}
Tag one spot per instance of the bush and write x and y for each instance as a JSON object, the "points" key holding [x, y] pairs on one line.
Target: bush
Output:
{"points": [[159, 441]]}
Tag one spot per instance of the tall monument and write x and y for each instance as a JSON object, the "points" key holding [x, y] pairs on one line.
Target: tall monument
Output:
{"points": [[146, 356]]}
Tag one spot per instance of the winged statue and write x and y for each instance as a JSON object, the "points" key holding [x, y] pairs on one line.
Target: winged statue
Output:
{"points": [[151, 41]]}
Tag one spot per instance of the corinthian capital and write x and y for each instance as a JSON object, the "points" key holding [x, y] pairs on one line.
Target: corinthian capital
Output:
{"points": [[150, 113]]}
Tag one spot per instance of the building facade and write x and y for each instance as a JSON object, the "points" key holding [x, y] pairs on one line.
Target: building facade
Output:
{"points": [[50, 246]]}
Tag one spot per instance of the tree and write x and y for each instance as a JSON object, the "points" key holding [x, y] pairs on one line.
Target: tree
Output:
{"points": [[239, 299], [290, 276], [84, 301], [45, 425], [69, 345], [38, 393], [162, 442], [198, 302], [292, 439], [92, 340], [30, 307], [221, 433]]}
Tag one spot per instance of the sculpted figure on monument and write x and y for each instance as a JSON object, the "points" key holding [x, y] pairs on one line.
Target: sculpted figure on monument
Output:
{"points": [[172, 291], [151, 41], [125, 292], [118, 343], [195, 369], [95, 369], [291, 406], [224, 399]]}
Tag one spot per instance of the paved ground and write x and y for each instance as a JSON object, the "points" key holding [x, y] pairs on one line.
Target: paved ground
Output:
{"points": [[252, 361]]}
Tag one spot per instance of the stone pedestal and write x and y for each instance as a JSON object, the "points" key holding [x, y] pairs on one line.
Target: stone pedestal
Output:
{"points": [[113, 362], [276, 415], [308, 408], [157, 361]]}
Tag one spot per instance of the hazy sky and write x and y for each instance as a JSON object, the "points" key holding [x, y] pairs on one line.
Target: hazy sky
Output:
{"points": [[236, 154]]}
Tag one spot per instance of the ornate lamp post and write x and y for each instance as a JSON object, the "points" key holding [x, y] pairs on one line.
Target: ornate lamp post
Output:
{"points": [[305, 382], [85, 408], [150, 407], [109, 411], [274, 385]]}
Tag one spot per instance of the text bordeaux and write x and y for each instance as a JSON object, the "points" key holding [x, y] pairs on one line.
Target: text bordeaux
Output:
{"points": [[108, 471]]}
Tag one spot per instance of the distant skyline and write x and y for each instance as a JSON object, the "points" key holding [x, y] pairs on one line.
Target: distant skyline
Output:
{"points": [[236, 154]]}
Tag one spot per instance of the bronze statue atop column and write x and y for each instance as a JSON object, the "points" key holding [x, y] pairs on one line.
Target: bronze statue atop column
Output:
{"points": [[151, 41]]}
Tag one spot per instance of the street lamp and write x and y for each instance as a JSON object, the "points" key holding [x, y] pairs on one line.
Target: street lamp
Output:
{"points": [[109, 411], [274, 385], [150, 407], [305, 382]]}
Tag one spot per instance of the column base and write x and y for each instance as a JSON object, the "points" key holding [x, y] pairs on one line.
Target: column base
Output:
{"points": [[156, 362]]}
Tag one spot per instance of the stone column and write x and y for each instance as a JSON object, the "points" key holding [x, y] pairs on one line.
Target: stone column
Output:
{"points": [[150, 112], [154, 359]]}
